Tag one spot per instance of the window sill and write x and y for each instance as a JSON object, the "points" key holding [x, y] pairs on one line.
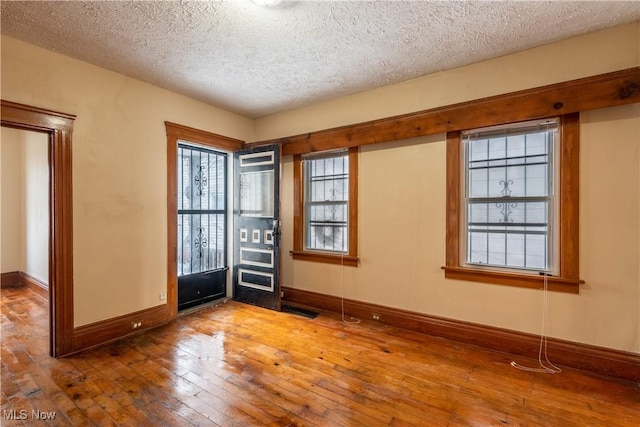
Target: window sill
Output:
{"points": [[558, 284], [348, 260]]}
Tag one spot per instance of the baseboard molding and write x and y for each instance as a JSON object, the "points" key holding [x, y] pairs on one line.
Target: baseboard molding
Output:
{"points": [[19, 278], [600, 360], [10, 279], [94, 334], [35, 285]]}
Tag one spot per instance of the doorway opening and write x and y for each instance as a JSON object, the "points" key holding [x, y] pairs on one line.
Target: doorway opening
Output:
{"points": [[59, 128], [25, 208], [253, 237], [188, 225]]}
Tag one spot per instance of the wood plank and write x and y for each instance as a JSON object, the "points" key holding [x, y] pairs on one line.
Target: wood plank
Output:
{"points": [[240, 365], [600, 91], [595, 359]]}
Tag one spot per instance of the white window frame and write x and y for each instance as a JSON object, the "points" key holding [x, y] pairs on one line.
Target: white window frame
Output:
{"points": [[307, 167], [551, 198]]}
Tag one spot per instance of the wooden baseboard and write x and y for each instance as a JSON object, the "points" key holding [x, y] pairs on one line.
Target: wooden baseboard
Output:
{"points": [[600, 360], [10, 279], [35, 285], [94, 334], [19, 278]]}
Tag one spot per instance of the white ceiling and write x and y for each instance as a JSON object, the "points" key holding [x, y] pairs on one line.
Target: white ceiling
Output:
{"points": [[258, 61]]}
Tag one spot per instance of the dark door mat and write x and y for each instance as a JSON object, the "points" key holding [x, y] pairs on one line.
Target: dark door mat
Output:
{"points": [[299, 311]]}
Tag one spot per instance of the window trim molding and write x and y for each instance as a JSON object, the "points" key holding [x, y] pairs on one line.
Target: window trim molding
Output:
{"points": [[568, 228], [299, 252]]}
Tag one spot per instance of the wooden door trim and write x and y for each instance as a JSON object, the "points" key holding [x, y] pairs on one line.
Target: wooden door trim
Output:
{"points": [[59, 127], [174, 133]]}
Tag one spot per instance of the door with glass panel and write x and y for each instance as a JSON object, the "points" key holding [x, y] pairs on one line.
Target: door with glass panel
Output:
{"points": [[257, 226], [202, 225]]}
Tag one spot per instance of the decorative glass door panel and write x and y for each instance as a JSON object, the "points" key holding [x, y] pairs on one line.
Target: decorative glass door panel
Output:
{"points": [[256, 194], [202, 225]]}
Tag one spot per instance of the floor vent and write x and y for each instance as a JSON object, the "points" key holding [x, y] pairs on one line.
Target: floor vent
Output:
{"points": [[299, 311]]}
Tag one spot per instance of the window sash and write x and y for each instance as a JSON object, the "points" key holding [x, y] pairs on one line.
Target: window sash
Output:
{"points": [[328, 231], [506, 241]]}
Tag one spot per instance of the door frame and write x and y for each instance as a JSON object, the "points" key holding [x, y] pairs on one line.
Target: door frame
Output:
{"points": [[177, 132], [59, 127]]}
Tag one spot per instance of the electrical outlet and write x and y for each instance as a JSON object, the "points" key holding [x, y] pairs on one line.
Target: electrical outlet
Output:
{"points": [[136, 325], [163, 296], [376, 316]]}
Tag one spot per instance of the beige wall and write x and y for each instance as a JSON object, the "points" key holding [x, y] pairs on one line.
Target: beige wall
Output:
{"points": [[402, 215], [119, 171], [25, 196], [35, 205], [402, 241], [11, 194], [119, 192], [609, 225]]}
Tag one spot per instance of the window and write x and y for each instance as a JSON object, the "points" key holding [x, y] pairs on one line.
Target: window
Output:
{"points": [[202, 201], [325, 217], [326, 202], [512, 204], [509, 196]]}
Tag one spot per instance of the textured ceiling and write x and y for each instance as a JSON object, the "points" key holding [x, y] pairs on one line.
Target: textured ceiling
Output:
{"points": [[261, 60]]}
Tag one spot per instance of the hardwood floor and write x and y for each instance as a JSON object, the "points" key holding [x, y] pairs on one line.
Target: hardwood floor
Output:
{"points": [[238, 365]]}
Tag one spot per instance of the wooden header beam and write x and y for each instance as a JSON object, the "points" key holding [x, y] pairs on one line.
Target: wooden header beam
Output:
{"points": [[601, 91]]}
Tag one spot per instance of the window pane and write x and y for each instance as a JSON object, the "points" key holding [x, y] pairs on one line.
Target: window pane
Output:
{"points": [[201, 179], [508, 213], [536, 246], [201, 241], [515, 250], [537, 180], [516, 146], [497, 148], [327, 227], [496, 249], [256, 194], [537, 143], [327, 237], [479, 150], [498, 184], [477, 248]]}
